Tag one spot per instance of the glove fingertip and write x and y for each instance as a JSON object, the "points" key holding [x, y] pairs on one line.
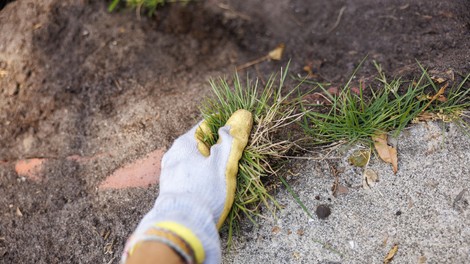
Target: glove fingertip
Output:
{"points": [[240, 124], [203, 131], [235, 133]]}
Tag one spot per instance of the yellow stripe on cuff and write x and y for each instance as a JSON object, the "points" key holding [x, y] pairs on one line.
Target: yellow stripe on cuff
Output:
{"points": [[188, 235]]}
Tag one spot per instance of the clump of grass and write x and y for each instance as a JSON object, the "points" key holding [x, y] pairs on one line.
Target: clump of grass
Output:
{"points": [[352, 117], [272, 112], [149, 5]]}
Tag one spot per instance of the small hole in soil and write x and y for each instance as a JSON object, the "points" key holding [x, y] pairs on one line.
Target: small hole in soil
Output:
{"points": [[4, 3]]}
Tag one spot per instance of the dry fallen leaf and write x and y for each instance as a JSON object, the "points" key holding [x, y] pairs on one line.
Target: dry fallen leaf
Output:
{"points": [[339, 189], [369, 178], [359, 158], [391, 254], [437, 95], [308, 69], [442, 98], [276, 54], [342, 189], [424, 117], [438, 80], [422, 260], [276, 230], [386, 152]]}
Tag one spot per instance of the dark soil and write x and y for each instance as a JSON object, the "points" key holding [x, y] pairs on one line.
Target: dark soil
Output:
{"points": [[77, 80]]}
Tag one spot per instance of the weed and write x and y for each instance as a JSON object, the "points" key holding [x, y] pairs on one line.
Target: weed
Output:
{"points": [[352, 117], [272, 112]]}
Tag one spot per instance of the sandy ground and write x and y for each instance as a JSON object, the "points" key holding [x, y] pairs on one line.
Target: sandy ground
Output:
{"points": [[424, 208]]}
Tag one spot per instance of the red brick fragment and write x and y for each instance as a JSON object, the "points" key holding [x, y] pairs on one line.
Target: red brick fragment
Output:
{"points": [[140, 173], [30, 168]]}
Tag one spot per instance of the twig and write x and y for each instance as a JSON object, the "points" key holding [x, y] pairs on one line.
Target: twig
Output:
{"points": [[338, 19], [231, 10], [253, 62], [334, 171]]}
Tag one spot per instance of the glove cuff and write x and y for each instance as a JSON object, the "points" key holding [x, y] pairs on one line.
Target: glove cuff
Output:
{"points": [[189, 220]]}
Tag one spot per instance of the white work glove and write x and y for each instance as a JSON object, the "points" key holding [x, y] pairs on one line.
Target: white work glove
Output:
{"points": [[197, 187]]}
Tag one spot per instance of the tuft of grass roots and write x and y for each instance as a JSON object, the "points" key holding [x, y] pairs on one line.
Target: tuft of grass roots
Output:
{"points": [[351, 117], [272, 112]]}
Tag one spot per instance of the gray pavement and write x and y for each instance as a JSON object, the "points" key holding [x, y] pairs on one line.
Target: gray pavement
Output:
{"points": [[424, 208]]}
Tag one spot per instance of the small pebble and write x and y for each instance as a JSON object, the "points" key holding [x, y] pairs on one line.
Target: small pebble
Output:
{"points": [[352, 244], [323, 211]]}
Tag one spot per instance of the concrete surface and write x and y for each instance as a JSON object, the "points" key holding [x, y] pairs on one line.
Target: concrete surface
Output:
{"points": [[423, 209]]}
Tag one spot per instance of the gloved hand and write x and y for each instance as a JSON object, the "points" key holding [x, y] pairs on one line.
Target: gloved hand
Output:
{"points": [[197, 188]]}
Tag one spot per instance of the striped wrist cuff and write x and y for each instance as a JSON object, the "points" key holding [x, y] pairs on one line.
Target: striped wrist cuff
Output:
{"points": [[176, 236]]}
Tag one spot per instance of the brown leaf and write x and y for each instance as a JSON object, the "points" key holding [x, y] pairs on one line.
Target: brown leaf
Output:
{"points": [[442, 98], [391, 254], [386, 152], [276, 230], [342, 189], [308, 69], [424, 117], [439, 93], [438, 80], [338, 189], [422, 260], [276, 54], [369, 178]]}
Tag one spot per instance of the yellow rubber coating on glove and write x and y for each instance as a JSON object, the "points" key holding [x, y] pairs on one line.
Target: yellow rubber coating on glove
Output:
{"points": [[187, 235], [202, 131], [240, 124]]}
